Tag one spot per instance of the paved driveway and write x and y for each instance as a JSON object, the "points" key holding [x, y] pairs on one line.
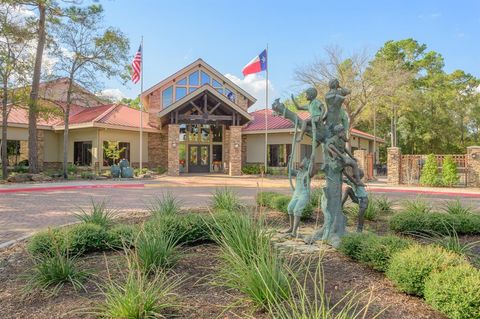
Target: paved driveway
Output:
{"points": [[25, 211]]}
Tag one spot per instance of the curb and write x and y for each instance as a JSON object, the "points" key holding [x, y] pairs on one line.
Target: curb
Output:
{"points": [[420, 191], [57, 188]]}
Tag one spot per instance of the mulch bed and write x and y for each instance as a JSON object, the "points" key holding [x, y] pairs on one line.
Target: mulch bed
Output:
{"points": [[201, 297]]}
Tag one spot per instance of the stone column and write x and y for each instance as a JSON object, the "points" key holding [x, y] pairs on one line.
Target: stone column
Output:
{"points": [[235, 151], [361, 156], [157, 150], [173, 168], [473, 166], [394, 159]]}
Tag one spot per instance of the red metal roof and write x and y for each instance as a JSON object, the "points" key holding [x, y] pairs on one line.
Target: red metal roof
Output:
{"points": [[19, 115], [276, 122]]}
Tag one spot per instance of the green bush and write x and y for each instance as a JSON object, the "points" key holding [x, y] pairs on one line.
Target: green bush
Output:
{"points": [[88, 175], [121, 235], [280, 202], [455, 292], [449, 171], [371, 249], [161, 170], [84, 238], [20, 169], [266, 198], [408, 222], [72, 169], [410, 268], [455, 207], [99, 214], [168, 204], [252, 169], [137, 171], [225, 199], [45, 243], [429, 175]]}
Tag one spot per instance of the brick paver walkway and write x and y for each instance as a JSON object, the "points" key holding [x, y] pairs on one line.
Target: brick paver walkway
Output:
{"points": [[22, 213]]}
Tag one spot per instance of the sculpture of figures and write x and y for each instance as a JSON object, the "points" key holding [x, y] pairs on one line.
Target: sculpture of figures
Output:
{"points": [[301, 194], [316, 110], [358, 195], [334, 99], [339, 153]]}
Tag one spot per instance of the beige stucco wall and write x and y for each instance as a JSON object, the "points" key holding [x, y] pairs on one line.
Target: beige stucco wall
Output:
{"points": [[17, 133], [131, 137], [51, 144], [77, 135]]}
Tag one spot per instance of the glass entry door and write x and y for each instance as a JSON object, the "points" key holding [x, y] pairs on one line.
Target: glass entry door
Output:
{"points": [[199, 158]]}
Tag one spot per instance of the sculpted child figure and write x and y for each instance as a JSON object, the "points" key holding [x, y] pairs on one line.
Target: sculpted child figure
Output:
{"points": [[334, 99], [316, 110], [337, 149], [301, 195], [358, 195]]}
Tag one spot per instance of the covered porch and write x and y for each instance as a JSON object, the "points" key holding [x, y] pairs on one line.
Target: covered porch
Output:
{"points": [[204, 131]]}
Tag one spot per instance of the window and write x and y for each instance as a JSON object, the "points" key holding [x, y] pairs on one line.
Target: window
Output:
{"points": [[205, 133], [193, 78], [216, 84], [205, 78], [125, 154], [182, 81], [217, 133], [230, 95], [183, 133], [190, 90], [13, 148], [180, 92], [82, 153], [167, 96], [277, 155]]}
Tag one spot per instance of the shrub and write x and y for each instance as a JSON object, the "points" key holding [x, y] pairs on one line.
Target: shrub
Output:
{"points": [[375, 251], [407, 222], [84, 238], [121, 235], [98, 215], [45, 242], [168, 204], [54, 271], [157, 250], [249, 262], [139, 296], [137, 171], [429, 175], [251, 169], [417, 205], [224, 199], [455, 292], [88, 175], [20, 169], [411, 267], [383, 204], [280, 202], [449, 171], [266, 198], [161, 170], [455, 207], [72, 169]]}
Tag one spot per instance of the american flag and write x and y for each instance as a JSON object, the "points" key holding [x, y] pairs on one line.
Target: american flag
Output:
{"points": [[136, 65]]}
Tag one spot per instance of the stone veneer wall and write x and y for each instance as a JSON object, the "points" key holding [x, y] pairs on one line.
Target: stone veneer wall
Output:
{"points": [[244, 150], [40, 148], [394, 158], [235, 164], [473, 166], [361, 156], [157, 150], [173, 167], [226, 151]]}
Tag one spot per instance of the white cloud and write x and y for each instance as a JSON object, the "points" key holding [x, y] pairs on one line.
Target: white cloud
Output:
{"points": [[255, 85], [478, 89], [112, 94]]}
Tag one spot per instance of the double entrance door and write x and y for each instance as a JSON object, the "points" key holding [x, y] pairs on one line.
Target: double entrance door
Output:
{"points": [[198, 158]]}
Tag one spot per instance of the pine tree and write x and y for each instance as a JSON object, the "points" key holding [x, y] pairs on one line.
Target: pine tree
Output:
{"points": [[430, 175], [449, 171]]}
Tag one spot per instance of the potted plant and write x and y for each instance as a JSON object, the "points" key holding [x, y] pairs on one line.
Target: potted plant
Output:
{"points": [[113, 152]]}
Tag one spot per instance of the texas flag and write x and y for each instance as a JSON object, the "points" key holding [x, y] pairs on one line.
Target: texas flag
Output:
{"points": [[258, 64]]}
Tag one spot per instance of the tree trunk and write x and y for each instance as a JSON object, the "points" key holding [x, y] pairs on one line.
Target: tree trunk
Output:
{"points": [[4, 131], [65, 131], [32, 104]]}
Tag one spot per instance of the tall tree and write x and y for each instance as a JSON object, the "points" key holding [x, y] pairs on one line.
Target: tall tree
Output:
{"points": [[87, 51], [15, 58]]}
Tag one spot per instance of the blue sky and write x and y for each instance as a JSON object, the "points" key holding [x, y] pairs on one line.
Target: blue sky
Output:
{"points": [[228, 34]]}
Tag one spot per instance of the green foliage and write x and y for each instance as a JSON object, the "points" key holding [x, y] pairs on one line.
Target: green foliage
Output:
{"points": [[133, 103], [99, 214], [280, 202], [455, 207], [161, 170], [252, 169], [53, 272], [72, 169], [429, 175], [45, 242], [455, 292], [168, 204], [112, 150], [376, 206], [442, 223], [158, 249], [249, 263], [417, 205], [139, 295], [20, 169], [224, 199], [85, 238], [88, 175], [137, 171], [120, 236], [449, 171], [410, 268], [371, 249], [266, 198]]}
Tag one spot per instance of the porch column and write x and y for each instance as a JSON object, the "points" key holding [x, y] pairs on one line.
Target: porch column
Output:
{"points": [[473, 166], [235, 151], [394, 160], [361, 156], [172, 150]]}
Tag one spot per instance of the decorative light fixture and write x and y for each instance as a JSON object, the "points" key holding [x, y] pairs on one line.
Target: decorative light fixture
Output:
{"points": [[174, 144], [236, 145]]}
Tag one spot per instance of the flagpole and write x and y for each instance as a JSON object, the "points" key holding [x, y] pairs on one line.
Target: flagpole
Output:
{"points": [[141, 108], [266, 115]]}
